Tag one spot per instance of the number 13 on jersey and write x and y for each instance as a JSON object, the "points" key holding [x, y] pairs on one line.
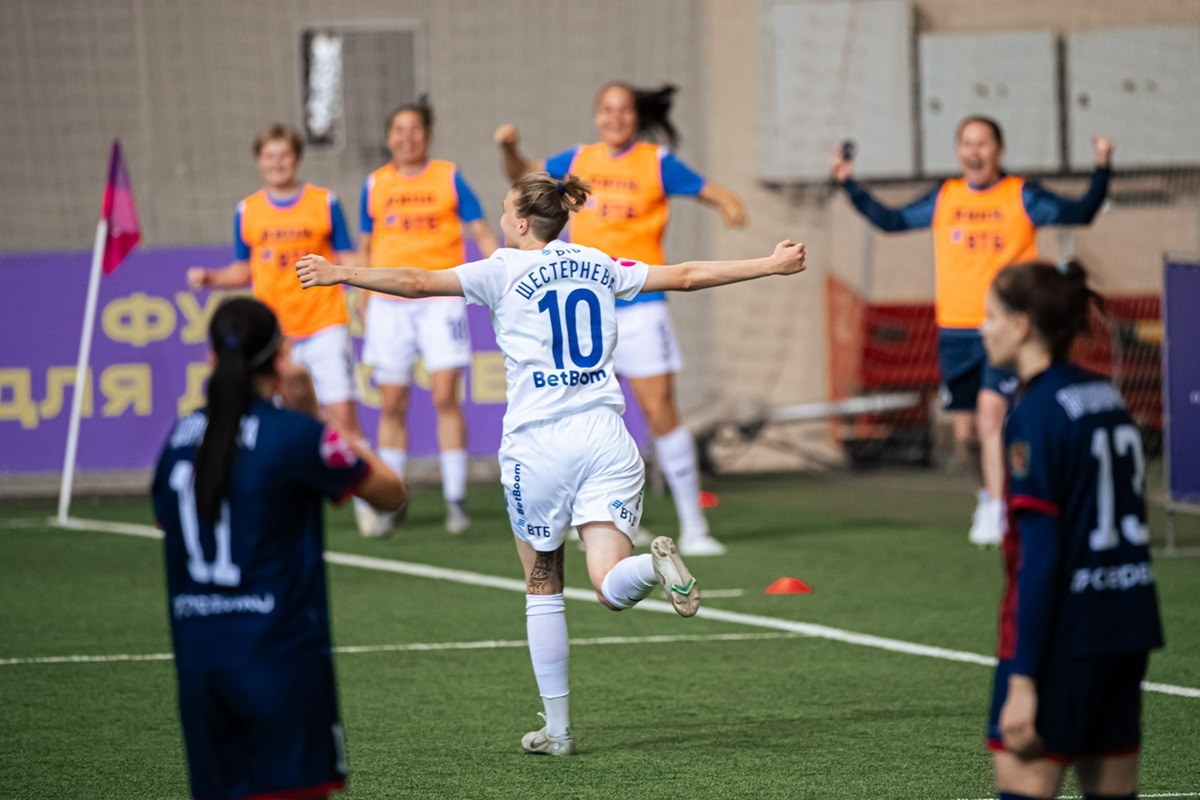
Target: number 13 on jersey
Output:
{"points": [[1124, 498]]}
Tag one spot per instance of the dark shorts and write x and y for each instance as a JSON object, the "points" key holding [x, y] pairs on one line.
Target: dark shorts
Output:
{"points": [[262, 729], [1086, 706], [965, 370]]}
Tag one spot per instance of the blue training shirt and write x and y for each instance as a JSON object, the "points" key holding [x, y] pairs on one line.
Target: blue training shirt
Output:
{"points": [[678, 179], [1077, 551], [252, 586]]}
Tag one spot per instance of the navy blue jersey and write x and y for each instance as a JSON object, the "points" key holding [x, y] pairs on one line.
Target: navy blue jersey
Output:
{"points": [[252, 586], [1077, 533]]}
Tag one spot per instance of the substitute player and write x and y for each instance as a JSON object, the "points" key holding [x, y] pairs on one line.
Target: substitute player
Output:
{"points": [[981, 222], [627, 216], [415, 212], [271, 229], [566, 458], [238, 492], [1079, 613]]}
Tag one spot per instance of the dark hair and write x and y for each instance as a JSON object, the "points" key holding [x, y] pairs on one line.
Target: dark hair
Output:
{"points": [[997, 134], [653, 108], [279, 132], [1056, 297], [244, 336], [547, 202], [420, 107]]}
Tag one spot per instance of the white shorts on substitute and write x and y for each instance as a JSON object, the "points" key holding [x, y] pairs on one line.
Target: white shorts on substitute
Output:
{"points": [[399, 331], [328, 358], [646, 343], [568, 471]]}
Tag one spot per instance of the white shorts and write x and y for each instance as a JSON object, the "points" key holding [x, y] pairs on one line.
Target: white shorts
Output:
{"points": [[327, 357], [568, 471], [398, 331], [646, 343]]}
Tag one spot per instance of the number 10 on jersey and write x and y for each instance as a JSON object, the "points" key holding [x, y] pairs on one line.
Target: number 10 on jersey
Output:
{"points": [[569, 312]]}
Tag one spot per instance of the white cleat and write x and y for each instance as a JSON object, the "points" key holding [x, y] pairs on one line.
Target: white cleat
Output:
{"points": [[372, 523], [987, 525], [457, 520], [543, 744], [679, 584], [700, 546]]}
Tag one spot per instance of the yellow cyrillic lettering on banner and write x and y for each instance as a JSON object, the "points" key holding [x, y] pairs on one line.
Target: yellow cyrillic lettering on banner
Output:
{"points": [[487, 377], [193, 396], [57, 380], [138, 319], [125, 385], [195, 316], [370, 392], [16, 397]]}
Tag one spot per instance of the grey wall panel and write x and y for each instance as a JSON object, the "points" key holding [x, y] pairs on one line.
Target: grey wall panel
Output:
{"points": [[1138, 86], [1011, 77], [838, 70], [186, 86]]}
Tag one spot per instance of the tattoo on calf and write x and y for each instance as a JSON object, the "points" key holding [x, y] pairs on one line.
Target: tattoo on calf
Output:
{"points": [[547, 572]]}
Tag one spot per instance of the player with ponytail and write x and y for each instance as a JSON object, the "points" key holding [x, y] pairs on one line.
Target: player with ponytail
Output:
{"points": [[632, 180], [566, 458], [1080, 613], [238, 492]]}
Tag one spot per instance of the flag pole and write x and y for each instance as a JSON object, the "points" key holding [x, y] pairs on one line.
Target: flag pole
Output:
{"points": [[81, 369]]}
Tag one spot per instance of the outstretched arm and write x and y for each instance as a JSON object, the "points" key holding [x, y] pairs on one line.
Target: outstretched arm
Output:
{"points": [[485, 240], [314, 270], [726, 202], [234, 276], [1047, 208], [787, 259], [511, 161], [918, 214]]}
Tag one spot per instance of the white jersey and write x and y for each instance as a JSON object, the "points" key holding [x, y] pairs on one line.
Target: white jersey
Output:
{"points": [[554, 314]]}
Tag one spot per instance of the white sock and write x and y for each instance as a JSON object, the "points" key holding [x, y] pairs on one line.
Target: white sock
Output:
{"points": [[630, 581], [546, 627], [454, 475], [558, 716], [677, 457], [983, 496], [394, 458]]}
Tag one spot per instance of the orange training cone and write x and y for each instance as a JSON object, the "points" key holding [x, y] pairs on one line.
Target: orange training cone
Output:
{"points": [[788, 586], [709, 500]]}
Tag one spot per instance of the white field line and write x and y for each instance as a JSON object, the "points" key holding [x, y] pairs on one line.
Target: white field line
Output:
{"points": [[663, 607], [420, 647]]}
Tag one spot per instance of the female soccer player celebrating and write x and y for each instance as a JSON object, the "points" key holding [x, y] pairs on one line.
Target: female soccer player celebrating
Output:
{"points": [[414, 213], [1079, 613], [981, 222], [565, 458], [238, 492], [627, 217], [271, 229]]}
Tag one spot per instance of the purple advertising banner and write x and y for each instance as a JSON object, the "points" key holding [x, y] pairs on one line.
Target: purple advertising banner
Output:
{"points": [[1181, 298], [148, 363]]}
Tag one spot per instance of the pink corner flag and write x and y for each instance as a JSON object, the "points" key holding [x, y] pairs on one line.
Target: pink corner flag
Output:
{"points": [[123, 230]]}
